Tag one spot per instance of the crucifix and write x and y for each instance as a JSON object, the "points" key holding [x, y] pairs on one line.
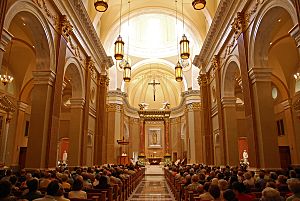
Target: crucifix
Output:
{"points": [[154, 84]]}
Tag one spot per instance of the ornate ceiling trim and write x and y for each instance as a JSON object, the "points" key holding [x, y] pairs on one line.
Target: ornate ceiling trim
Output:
{"points": [[6, 104]]}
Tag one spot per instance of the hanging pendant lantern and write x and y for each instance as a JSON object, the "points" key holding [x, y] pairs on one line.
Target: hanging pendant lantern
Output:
{"points": [[199, 4], [178, 72], [127, 72], [119, 48], [101, 5], [184, 48]]}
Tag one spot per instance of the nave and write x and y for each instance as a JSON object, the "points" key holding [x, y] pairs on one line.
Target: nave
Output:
{"points": [[152, 187]]}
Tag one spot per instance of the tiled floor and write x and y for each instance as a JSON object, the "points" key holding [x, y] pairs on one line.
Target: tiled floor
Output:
{"points": [[153, 187]]}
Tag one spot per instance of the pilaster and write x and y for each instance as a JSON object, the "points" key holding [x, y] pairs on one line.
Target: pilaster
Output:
{"points": [[216, 67], [205, 118], [75, 148], [101, 118], [230, 130], [264, 118], [54, 123], [292, 128], [40, 113], [21, 112]]}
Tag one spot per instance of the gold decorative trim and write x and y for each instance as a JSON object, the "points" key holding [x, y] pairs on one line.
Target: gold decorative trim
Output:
{"points": [[114, 107], [193, 106]]}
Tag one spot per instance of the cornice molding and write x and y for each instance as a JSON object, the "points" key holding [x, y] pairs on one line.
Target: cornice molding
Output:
{"points": [[214, 31], [85, 32]]}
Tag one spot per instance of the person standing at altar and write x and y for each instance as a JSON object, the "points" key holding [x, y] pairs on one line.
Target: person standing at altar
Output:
{"points": [[65, 157]]}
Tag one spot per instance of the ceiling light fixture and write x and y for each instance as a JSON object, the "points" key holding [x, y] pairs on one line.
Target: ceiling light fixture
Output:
{"points": [[297, 76], [101, 5], [199, 4], [184, 43], [178, 67], [127, 67], [119, 44]]}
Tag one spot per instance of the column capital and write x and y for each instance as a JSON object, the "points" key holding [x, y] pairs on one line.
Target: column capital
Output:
{"points": [[260, 74], [5, 39], [66, 29], [77, 103], [216, 62], [103, 80], [228, 101], [43, 77], [295, 33], [22, 106], [202, 79], [238, 24]]}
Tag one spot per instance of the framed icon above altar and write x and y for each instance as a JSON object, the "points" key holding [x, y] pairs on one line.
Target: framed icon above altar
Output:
{"points": [[154, 138]]}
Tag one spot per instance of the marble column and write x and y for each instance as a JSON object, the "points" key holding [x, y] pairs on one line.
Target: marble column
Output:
{"points": [[75, 131], [248, 100], [39, 119], [223, 151], [292, 128], [21, 113], [114, 132], [264, 118], [167, 136], [101, 119], [5, 137], [205, 118], [142, 137], [90, 68], [230, 130]]}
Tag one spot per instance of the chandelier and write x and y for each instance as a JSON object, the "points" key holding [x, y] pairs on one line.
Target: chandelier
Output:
{"points": [[119, 44], [127, 67], [184, 43], [178, 72], [6, 79], [101, 5], [199, 4], [297, 76], [178, 66]]}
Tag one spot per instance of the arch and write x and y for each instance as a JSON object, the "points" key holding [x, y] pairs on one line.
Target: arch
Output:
{"points": [[283, 90], [255, 38], [232, 65], [151, 61], [26, 91], [73, 69], [46, 57], [190, 27]]}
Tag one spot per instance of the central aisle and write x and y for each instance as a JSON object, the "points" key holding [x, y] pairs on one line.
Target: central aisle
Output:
{"points": [[152, 187]]}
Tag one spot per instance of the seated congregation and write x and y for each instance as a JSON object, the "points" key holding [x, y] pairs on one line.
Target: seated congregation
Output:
{"points": [[200, 182], [105, 183]]}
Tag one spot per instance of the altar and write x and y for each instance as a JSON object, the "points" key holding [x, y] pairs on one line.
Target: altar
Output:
{"points": [[154, 160]]}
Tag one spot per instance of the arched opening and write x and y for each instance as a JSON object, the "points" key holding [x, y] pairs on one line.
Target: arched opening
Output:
{"points": [[72, 114], [275, 52]]}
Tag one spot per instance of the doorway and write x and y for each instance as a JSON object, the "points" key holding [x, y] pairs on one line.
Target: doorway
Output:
{"points": [[285, 156], [22, 157]]}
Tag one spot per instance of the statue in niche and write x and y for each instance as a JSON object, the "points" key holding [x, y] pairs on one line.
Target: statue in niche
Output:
{"points": [[154, 137], [245, 156]]}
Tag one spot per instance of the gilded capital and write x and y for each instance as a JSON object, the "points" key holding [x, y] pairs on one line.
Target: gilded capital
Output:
{"points": [[202, 80], [216, 62], [239, 23], [66, 28], [104, 80]]}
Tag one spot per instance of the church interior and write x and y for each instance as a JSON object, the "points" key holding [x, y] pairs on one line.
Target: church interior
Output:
{"points": [[149, 82]]}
